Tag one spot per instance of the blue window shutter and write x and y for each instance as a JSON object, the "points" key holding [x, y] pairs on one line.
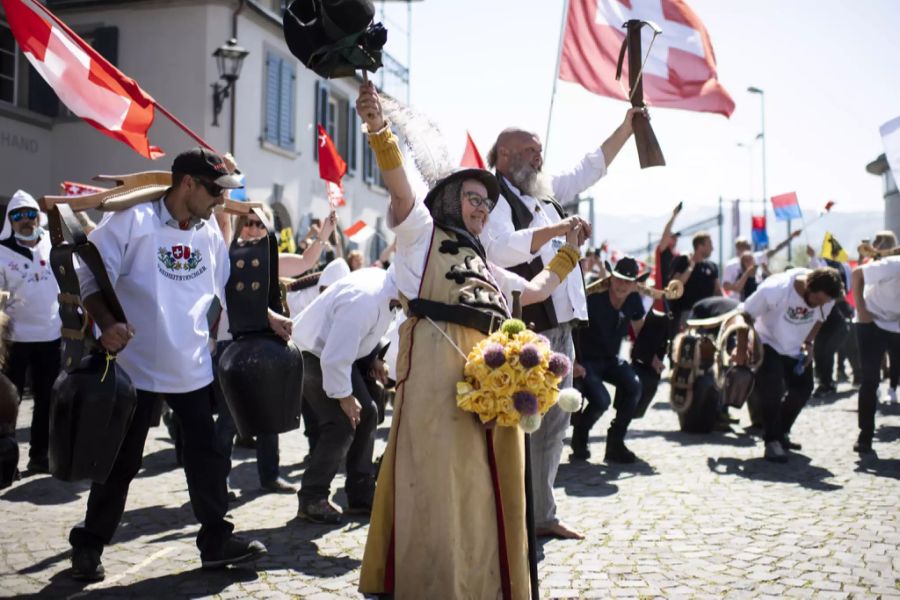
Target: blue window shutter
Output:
{"points": [[321, 113], [286, 107], [352, 134], [270, 133]]}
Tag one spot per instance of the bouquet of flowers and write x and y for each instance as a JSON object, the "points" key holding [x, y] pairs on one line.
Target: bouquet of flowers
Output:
{"points": [[512, 376]]}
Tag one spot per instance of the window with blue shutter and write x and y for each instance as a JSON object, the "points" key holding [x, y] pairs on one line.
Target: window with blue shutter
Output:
{"points": [[321, 113], [352, 136], [281, 84]]}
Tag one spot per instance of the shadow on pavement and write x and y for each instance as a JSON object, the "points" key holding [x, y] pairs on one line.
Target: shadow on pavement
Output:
{"points": [[887, 467], [889, 410], [721, 438], [188, 584], [156, 463], [888, 433], [831, 398], [45, 491], [292, 546], [797, 470], [585, 479]]}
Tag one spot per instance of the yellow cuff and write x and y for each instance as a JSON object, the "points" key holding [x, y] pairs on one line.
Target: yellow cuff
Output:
{"points": [[386, 147], [564, 262]]}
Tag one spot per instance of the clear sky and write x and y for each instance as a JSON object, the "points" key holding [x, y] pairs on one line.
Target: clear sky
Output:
{"points": [[829, 69]]}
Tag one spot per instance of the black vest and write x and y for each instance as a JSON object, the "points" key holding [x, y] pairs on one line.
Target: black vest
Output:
{"points": [[543, 314]]}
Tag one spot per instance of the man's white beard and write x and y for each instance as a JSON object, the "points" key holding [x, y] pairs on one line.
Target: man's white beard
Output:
{"points": [[531, 182]]}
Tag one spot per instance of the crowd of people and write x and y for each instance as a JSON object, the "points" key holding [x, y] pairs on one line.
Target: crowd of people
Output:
{"points": [[400, 330]]}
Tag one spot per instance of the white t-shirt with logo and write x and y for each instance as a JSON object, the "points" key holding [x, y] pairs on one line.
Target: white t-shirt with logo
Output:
{"points": [[881, 292], [165, 279], [781, 317]]}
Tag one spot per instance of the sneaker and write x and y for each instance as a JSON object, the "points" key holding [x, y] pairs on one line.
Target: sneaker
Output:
{"points": [[86, 565], [320, 511], [775, 452], [38, 465], [277, 486], [787, 444], [234, 551], [617, 452]]}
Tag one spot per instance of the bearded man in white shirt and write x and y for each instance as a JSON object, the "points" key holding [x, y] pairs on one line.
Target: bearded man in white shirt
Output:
{"points": [[526, 228]]}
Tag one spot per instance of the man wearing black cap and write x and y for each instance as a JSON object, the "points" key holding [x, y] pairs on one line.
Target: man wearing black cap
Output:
{"points": [[612, 304], [166, 260]]}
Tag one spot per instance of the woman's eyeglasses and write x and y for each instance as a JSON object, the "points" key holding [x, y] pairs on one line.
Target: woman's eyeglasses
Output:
{"points": [[23, 214], [477, 200], [256, 224]]}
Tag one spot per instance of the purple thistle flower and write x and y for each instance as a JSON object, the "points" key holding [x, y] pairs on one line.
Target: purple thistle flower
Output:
{"points": [[559, 364], [525, 402], [544, 340], [493, 355], [529, 356]]}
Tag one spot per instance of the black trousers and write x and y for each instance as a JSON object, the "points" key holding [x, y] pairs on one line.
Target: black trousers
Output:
{"points": [[43, 358], [337, 438], [204, 466], [782, 392], [831, 338], [628, 391], [873, 343]]}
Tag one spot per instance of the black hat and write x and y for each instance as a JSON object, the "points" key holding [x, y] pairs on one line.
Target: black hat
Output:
{"points": [[460, 175], [201, 162], [334, 38], [627, 268]]}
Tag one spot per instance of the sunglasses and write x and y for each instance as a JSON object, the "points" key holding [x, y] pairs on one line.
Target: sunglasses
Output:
{"points": [[477, 200], [256, 224], [23, 214], [214, 190]]}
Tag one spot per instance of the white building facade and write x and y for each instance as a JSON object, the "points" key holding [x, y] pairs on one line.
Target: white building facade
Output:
{"points": [[167, 47]]}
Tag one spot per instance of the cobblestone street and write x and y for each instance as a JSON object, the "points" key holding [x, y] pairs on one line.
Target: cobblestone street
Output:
{"points": [[702, 517]]}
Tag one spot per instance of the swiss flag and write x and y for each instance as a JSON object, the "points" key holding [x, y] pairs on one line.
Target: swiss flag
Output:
{"points": [[70, 188], [680, 71], [331, 166], [471, 157], [85, 82]]}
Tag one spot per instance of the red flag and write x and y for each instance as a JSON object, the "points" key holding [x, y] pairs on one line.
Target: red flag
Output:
{"points": [[359, 232], [829, 205], [680, 71], [70, 188], [471, 157], [331, 166], [85, 82]]}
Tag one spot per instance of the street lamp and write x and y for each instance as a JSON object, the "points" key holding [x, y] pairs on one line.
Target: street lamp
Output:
{"points": [[762, 136], [229, 59]]}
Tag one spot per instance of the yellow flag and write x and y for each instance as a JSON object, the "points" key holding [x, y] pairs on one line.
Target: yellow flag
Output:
{"points": [[832, 250], [286, 243]]}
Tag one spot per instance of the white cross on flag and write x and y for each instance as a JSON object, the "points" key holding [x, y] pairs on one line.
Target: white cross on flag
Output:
{"points": [[70, 188], [85, 82], [359, 232], [680, 71]]}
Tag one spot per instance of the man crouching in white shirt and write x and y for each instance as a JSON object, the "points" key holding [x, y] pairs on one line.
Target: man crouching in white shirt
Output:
{"points": [[876, 290], [787, 311], [339, 329]]}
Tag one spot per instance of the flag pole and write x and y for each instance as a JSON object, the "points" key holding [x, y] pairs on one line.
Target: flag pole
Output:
{"points": [[183, 127], [562, 33]]}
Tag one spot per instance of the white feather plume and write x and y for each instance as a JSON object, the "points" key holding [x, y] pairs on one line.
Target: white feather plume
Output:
{"points": [[423, 138]]}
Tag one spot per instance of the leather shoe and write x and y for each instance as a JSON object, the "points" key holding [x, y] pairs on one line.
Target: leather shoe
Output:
{"points": [[863, 446], [319, 511], [277, 486], [234, 551], [86, 565]]}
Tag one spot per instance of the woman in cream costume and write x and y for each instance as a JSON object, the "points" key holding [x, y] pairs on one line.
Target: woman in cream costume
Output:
{"points": [[449, 513]]}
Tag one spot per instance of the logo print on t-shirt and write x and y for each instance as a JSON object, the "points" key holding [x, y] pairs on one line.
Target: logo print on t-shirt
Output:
{"points": [[180, 262], [798, 314]]}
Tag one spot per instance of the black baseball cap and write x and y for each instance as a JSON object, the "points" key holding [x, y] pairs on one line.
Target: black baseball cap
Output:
{"points": [[201, 162]]}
